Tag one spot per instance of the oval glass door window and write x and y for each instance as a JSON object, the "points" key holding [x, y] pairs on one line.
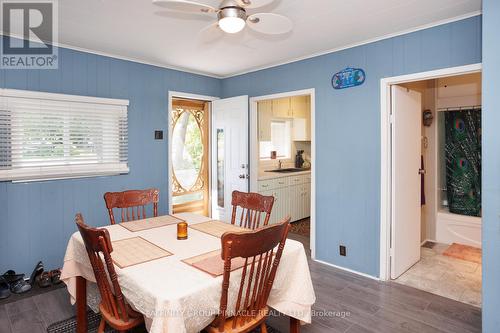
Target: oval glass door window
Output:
{"points": [[187, 150]]}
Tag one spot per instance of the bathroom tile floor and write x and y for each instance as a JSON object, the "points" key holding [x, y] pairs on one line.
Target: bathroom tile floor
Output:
{"points": [[452, 278]]}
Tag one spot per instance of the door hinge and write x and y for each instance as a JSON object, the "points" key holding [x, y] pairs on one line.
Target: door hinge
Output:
{"points": [[391, 118], [391, 252]]}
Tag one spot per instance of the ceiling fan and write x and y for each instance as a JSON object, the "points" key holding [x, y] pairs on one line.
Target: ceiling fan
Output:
{"points": [[232, 15]]}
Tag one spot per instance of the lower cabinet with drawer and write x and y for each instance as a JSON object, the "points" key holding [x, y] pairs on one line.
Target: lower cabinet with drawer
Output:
{"points": [[292, 196]]}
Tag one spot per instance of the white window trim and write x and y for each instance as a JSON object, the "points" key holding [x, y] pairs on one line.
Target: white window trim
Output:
{"points": [[66, 171]]}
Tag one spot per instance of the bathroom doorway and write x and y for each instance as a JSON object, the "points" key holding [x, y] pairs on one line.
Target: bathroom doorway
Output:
{"points": [[435, 186]]}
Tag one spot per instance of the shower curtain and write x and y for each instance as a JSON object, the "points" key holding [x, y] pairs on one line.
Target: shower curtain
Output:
{"points": [[463, 161]]}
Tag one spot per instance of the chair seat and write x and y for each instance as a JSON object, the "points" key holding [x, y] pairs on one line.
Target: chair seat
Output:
{"points": [[248, 326], [135, 319]]}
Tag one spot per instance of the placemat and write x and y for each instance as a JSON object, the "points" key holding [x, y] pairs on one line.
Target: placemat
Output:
{"points": [[136, 250], [212, 263], [149, 223], [216, 228]]}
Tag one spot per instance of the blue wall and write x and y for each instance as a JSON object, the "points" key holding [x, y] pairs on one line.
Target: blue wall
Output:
{"points": [[36, 219], [348, 127], [491, 166]]}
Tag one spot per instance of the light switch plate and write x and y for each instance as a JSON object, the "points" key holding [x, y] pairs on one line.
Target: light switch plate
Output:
{"points": [[158, 135]]}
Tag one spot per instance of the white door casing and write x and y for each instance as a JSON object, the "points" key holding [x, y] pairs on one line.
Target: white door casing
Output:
{"points": [[386, 155], [406, 152], [231, 116]]}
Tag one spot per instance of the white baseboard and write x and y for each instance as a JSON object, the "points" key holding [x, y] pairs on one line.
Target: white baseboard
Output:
{"points": [[348, 270], [428, 240]]}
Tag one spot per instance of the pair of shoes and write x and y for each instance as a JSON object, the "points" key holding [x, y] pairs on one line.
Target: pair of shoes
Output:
{"points": [[20, 287], [10, 276], [4, 288], [55, 276], [46, 279], [16, 282], [36, 272]]}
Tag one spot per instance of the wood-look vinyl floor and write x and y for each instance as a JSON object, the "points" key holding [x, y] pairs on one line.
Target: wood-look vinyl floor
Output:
{"points": [[345, 302]]}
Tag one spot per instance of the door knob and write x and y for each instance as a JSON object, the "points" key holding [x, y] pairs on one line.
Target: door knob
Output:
{"points": [[242, 176], [421, 171]]}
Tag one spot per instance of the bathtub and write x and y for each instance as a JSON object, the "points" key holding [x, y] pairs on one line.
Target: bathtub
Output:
{"points": [[454, 228]]}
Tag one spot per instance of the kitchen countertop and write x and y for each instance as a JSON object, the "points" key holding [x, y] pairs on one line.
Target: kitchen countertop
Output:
{"points": [[272, 175]]}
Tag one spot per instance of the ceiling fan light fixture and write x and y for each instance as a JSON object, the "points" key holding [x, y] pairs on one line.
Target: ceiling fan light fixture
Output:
{"points": [[232, 19]]}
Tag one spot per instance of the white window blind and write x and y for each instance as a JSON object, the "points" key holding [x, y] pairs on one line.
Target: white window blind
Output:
{"points": [[48, 136], [281, 140]]}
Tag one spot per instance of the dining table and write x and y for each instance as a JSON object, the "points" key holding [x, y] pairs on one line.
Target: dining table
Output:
{"points": [[174, 296]]}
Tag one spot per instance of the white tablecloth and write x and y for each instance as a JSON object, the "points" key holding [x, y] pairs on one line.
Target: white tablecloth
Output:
{"points": [[175, 297]]}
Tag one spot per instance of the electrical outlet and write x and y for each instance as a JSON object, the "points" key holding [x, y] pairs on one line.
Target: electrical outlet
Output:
{"points": [[343, 251]]}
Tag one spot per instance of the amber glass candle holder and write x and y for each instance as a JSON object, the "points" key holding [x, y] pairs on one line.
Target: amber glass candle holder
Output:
{"points": [[182, 230]]}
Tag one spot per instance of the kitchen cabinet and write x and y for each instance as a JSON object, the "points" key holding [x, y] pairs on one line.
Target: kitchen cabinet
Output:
{"points": [[281, 206], [300, 131], [281, 108], [292, 195], [292, 107], [265, 115], [299, 106]]}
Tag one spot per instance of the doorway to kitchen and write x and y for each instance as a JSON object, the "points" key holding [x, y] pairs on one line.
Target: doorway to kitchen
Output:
{"points": [[431, 182], [282, 158]]}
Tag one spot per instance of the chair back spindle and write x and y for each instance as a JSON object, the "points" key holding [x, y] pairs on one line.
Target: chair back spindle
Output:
{"points": [[98, 246], [250, 210], [258, 248], [132, 204]]}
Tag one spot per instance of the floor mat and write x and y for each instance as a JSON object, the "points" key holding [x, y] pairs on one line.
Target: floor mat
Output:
{"points": [[93, 319], [302, 227], [464, 252]]}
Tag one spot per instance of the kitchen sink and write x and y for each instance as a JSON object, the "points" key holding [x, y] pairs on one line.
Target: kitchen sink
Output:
{"points": [[286, 170]]}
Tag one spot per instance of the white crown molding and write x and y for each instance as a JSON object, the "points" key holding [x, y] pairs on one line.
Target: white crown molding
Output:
{"points": [[120, 57], [270, 65], [368, 41]]}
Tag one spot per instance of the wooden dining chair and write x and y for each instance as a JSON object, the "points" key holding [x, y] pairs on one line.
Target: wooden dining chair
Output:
{"points": [[257, 248], [132, 203], [114, 310], [252, 207]]}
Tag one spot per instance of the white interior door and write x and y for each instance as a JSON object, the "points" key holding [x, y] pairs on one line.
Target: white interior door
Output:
{"points": [[406, 151], [230, 153]]}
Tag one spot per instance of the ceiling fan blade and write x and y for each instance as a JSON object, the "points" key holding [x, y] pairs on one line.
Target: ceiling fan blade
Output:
{"points": [[269, 23], [254, 3], [185, 6], [211, 33]]}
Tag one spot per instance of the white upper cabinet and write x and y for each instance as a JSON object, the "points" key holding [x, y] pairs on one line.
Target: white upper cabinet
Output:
{"points": [[300, 130], [265, 115]]}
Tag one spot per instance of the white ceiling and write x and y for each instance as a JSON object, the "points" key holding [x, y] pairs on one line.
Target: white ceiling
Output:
{"points": [[138, 30]]}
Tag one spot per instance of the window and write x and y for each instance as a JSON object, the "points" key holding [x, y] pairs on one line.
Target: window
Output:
{"points": [[48, 136], [281, 140]]}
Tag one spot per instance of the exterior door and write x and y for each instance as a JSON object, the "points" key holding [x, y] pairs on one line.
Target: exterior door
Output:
{"points": [[406, 151], [190, 156], [230, 152]]}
